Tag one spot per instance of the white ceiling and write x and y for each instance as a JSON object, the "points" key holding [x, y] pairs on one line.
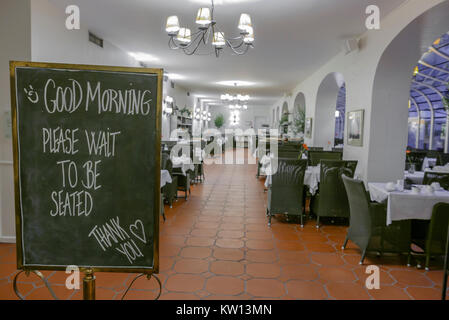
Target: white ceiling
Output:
{"points": [[293, 38]]}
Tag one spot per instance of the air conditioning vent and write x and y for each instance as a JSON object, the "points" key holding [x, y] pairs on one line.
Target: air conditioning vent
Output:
{"points": [[95, 39]]}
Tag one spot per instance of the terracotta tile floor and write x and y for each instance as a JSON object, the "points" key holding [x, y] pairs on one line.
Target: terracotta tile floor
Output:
{"points": [[217, 245]]}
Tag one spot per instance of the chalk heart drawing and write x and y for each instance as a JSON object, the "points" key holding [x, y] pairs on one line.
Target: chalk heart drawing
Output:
{"points": [[138, 231], [32, 95]]}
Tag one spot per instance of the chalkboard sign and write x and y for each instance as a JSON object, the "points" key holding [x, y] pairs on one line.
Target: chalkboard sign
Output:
{"points": [[87, 166]]}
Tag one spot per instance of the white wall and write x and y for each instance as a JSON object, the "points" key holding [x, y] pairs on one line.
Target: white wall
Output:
{"points": [[359, 71], [35, 31], [15, 39], [181, 100], [246, 116], [52, 42]]}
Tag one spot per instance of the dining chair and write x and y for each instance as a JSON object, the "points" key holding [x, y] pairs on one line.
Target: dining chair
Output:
{"points": [[446, 270], [170, 189], [331, 199], [292, 154], [441, 177], [434, 243], [286, 192], [314, 157], [443, 159], [368, 223]]}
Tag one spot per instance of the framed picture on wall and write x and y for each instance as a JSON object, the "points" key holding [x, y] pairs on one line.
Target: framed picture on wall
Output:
{"points": [[308, 128], [355, 128]]}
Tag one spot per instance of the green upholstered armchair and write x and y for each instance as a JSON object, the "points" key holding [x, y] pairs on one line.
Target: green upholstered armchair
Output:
{"points": [[367, 223], [285, 195], [441, 177], [435, 241], [443, 159], [446, 269], [331, 200], [314, 157]]}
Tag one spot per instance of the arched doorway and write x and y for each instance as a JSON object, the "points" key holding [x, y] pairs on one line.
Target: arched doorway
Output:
{"points": [[428, 120], [283, 121], [325, 111], [299, 116], [276, 122], [389, 119]]}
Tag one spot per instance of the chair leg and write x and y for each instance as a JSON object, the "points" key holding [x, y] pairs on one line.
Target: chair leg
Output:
{"points": [[427, 261], [363, 256], [302, 220], [269, 219], [317, 222], [409, 259], [345, 243]]}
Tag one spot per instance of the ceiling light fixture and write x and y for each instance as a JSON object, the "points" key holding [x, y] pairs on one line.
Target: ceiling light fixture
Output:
{"points": [[208, 31]]}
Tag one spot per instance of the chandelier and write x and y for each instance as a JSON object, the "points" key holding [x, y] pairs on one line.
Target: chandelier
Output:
{"points": [[237, 102], [239, 97], [208, 32]]}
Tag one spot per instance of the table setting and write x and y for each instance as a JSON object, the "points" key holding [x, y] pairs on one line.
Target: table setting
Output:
{"points": [[403, 204]]}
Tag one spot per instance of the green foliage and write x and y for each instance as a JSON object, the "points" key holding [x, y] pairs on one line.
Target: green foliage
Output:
{"points": [[284, 120], [299, 122], [446, 99], [219, 121], [185, 111]]}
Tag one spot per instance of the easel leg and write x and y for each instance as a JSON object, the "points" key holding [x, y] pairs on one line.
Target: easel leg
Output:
{"points": [[89, 285]]}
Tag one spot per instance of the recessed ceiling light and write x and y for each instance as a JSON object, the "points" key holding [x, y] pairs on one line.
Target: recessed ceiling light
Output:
{"points": [[143, 57], [236, 83]]}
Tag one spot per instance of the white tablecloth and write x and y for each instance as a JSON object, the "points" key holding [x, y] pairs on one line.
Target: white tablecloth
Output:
{"points": [[406, 205], [427, 162], [311, 179], [165, 178], [416, 178], [183, 162]]}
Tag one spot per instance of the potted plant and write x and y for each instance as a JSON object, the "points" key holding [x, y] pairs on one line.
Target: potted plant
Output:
{"points": [[411, 165], [283, 123], [185, 111], [304, 148], [298, 123], [219, 121]]}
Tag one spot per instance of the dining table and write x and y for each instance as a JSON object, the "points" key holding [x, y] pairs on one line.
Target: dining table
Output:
{"points": [[184, 163], [416, 177], [406, 204], [428, 163]]}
